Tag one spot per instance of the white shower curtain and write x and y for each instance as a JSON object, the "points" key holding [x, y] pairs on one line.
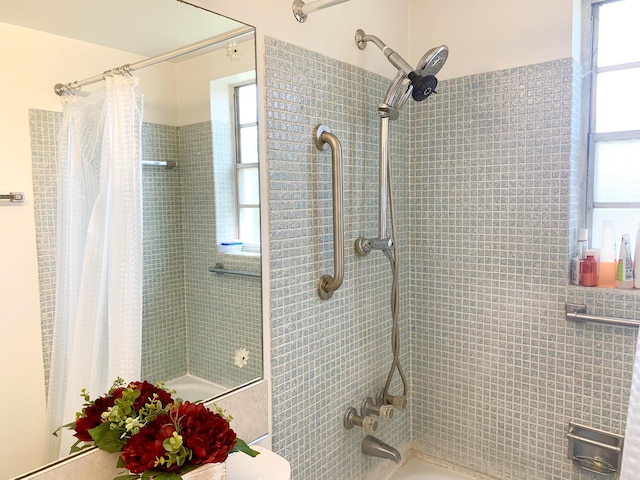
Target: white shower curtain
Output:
{"points": [[98, 317], [631, 452]]}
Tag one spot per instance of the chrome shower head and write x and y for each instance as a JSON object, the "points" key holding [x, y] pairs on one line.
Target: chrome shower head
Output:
{"points": [[420, 83], [432, 61]]}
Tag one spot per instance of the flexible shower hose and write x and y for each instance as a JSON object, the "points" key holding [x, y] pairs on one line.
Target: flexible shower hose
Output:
{"points": [[392, 255]]}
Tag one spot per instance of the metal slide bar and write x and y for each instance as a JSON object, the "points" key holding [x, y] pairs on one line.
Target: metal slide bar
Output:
{"points": [[301, 9], [328, 284], [578, 313]]}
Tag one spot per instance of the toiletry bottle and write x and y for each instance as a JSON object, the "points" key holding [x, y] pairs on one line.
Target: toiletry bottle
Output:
{"points": [[583, 237], [624, 272], [590, 270], [608, 264]]}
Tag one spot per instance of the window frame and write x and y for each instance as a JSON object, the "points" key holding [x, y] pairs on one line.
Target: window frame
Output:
{"points": [[238, 165], [593, 137]]}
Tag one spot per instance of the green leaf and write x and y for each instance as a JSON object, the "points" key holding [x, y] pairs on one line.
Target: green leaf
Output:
{"points": [[79, 446], [68, 426], [107, 439], [126, 477], [241, 446]]}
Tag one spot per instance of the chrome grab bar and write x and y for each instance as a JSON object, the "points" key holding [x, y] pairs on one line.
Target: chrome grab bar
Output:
{"points": [[579, 313], [329, 284]]}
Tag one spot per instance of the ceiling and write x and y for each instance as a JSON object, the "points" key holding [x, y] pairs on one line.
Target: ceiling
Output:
{"points": [[143, 27]]}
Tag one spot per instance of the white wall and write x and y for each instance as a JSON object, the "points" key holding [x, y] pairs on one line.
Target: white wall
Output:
{"points": [[492, 34], [330, 31], [32, 63]]}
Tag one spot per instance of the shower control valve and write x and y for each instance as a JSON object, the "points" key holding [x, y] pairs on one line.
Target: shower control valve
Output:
{"points": [[397, 401], [351, 419], [369, 408]]}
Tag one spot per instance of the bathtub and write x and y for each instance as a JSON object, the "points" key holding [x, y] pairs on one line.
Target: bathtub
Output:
{"points": [[419, 469], [191, 388]]}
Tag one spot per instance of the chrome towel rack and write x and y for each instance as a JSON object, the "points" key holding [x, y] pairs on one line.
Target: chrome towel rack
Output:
{"points": [[219, 268], [328, 284], [578, 313]]}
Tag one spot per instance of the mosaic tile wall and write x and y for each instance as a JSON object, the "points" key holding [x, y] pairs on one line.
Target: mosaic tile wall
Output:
{"points": [[328, 355], [176, 259], [496, 371], [224, 311]]}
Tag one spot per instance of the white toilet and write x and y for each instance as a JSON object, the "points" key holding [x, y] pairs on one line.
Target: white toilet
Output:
{"points": [[266, 466]]}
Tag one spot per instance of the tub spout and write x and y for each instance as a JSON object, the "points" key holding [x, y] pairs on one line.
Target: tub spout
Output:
{"points": [[377, 448]]}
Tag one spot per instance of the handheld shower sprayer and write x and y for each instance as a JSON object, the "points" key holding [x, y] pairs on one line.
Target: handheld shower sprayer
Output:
{"points": [[419, 82]]}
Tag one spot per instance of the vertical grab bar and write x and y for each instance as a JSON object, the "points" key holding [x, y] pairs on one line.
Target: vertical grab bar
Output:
{"points": [[323, 140]]}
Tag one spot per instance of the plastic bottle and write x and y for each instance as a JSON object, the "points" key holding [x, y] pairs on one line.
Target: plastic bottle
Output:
{"points": [[608, 263], [590, 270], [624, 272]]}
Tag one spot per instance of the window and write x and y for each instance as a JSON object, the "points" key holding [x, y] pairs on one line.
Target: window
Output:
{"points": [[613, 189], [246, 165]]}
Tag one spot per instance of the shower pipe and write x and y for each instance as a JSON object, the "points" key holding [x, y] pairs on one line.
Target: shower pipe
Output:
{"points": [[324, 139], [301, 9], [239, 34]]}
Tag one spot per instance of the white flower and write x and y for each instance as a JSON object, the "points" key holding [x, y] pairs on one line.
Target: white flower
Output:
{"points": [[240, 358]]}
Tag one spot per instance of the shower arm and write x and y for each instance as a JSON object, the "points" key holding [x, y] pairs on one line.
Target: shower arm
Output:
{"points": [[393, 57]]}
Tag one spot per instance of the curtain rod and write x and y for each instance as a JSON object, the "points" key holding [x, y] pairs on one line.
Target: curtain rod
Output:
{"points": [[302, 9], [241, 33]]}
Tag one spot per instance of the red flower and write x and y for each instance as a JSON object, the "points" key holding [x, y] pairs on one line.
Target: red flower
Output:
{"points": [[147, 390], [206, 433], [143, 449], [92, 414]]}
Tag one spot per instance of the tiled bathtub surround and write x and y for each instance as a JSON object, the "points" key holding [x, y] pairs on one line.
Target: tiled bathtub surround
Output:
{"points": [[498, 372], [487, 198], [329, 355], [185, 330]]}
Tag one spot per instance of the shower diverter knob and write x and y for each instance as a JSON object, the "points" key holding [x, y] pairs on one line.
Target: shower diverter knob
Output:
{"points": [[351, 419], [369, 408]]}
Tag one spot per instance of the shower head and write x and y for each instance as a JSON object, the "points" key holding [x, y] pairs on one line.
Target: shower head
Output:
{"points": [[432, 61], [419, 82]]}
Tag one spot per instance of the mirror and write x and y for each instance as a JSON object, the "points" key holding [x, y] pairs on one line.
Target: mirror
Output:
{"points": [[202, 311]]}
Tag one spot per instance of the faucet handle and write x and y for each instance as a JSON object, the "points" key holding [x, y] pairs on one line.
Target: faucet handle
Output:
{"points": [[351, 419], [383, 411]]}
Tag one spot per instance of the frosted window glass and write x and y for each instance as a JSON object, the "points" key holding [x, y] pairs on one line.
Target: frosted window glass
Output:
{"points": [[618, 101], [625, 220], [250, 225], [249, 145], [617, 171], [247, 104], [619, 35], [248, 186]]}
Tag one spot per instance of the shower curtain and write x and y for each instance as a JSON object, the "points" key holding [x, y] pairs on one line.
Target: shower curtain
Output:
{"points": [[631, 452], [97, 329]]}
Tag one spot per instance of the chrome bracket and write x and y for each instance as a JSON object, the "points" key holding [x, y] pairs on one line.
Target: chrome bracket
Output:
{"points": [[13, 197]]}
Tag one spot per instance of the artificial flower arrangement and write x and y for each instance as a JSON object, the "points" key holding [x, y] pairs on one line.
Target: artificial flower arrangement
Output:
{"points": [[159, 437]]}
